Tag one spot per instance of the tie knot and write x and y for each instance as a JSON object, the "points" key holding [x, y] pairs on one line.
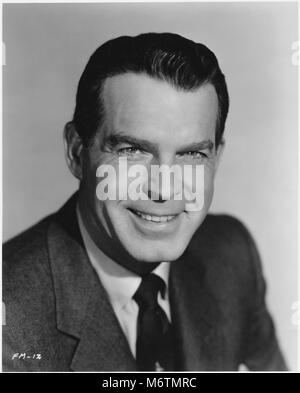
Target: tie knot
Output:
{"points": [[146, 294]]}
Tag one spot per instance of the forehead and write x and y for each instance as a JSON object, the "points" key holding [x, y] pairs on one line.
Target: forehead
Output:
{"points": [[140, 104]]}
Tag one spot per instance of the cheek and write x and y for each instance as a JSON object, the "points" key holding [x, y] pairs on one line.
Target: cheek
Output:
{"points": [[200, 198], [108, 215], [209, 174], [119, 180], [111, 181], [90, 180]]}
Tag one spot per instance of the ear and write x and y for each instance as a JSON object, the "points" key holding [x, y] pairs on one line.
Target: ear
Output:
{"points": [[73, 148], [219, 153]]}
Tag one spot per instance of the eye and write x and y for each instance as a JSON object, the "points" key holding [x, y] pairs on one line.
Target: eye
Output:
{"points": [[193, 154], [129, 151]]}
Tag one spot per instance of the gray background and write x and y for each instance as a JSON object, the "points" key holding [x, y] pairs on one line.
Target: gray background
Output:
{"points": [[47, 47]]}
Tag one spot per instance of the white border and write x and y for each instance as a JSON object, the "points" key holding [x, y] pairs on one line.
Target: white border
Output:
{"points": [[2, 58]]}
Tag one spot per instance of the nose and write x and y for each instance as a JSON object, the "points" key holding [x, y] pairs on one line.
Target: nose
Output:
{"points": [[155, 196], [161, 182]]}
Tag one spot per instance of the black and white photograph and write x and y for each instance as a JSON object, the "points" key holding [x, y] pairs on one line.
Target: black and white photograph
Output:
{"points": [[150, 188]]}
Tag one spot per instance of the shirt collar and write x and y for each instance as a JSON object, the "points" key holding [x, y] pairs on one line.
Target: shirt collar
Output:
{"points": [[119, 282]]}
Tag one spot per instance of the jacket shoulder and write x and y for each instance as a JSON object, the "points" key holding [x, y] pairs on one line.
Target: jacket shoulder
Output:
{"points": [[26, 249], [30, 305], [26, 272], [224, 233], [28, 295], [225, 225], [227, 249]]}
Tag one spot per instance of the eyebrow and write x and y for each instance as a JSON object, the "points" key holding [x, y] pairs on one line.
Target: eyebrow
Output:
{"points": [[203, 145], [116, 139]]}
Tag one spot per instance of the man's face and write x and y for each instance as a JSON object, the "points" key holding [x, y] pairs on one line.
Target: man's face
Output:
{"points": [[150, 123]]}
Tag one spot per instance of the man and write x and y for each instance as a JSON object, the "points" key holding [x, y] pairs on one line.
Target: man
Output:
{"points": [[125, 283]]}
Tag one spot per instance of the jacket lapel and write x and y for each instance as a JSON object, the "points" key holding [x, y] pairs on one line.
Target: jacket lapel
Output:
{"points": [[102, 345], [83, 309], [195, 315]]}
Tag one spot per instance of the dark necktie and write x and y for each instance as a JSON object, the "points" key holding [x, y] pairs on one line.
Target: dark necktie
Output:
{"points": [[154, 346]]}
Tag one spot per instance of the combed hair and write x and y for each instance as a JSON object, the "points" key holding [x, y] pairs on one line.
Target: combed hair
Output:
{"points": [[184, 64]]}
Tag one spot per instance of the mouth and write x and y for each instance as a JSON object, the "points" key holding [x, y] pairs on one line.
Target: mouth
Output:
{"points": [[158, 219]]}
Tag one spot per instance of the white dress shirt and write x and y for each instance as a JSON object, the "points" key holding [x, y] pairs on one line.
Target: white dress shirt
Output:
{"points": [[121, 284]]}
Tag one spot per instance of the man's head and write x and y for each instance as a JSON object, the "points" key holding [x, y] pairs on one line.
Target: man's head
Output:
{"points": [[156, 99]]}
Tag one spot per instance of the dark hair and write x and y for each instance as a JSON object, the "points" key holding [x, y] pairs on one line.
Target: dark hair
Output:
{"points": [[181, 62]]}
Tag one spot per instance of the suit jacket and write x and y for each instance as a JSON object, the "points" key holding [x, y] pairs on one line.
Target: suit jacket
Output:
{"points": [[59, 318]]}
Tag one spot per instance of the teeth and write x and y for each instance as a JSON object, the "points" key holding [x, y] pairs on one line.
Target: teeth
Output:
{"points": [[155, 218]]}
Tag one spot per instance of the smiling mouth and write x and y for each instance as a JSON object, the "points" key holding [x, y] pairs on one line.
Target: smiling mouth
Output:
{"points": [[154, 218]]}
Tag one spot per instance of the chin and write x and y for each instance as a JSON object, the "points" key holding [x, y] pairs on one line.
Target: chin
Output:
{"points": [[157, 252]]}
